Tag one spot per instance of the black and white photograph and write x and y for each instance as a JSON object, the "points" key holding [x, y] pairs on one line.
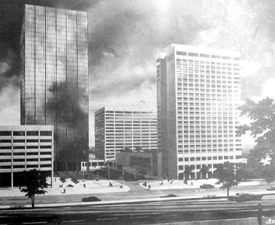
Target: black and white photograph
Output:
{"points": [[139, 112]]}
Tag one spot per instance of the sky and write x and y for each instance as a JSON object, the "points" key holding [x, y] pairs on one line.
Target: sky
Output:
{"points": [[125, 37]]}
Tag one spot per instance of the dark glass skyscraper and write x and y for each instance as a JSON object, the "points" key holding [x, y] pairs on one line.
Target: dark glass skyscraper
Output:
{"points": [[54, 78]]}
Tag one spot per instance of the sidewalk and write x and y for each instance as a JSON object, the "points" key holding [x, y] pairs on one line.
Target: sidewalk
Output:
{"points": [[192, 184], [83, 187]]}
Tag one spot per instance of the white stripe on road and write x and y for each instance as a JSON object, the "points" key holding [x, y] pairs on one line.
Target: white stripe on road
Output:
{"points": [[112, 218], [35, 222]]}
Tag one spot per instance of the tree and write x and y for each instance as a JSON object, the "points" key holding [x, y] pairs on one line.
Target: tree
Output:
{"points": [[187, 172], [227, 175], [138, 148], [34, 182], [262, 128], [204, 171]]}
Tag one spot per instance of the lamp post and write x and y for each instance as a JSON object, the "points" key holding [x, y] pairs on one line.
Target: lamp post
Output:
{"points": [[146, 177], [121, 179]]}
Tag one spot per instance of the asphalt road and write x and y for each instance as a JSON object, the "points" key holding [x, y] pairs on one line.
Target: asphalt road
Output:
{"points": [[157, 212]]}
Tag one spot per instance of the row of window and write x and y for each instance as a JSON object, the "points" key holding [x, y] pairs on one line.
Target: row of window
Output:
{"points": [[207, 146], [26, 147], [209, 150], [26, 166], [24, 140], [181, 89], [193, 54], [28, 133], [26, 160], [22, 154], [192, 159]]}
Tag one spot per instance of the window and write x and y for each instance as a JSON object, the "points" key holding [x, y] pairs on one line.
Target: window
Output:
{"points": [[32, 140], [32, 160], [32, 153], [46, 159], [18, 160], [204, 55], [45, 140], [46, 147], [181, 53], [5, 141], [18, 133], [32, 133], [46, 133], [18, 141], [192, 54], [18, 147], [5, 147], [32, 147], [5, 133], [19, 153]]}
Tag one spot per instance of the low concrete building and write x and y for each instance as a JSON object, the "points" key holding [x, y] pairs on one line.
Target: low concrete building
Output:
{"points": [[25, 148], [143, 163]]}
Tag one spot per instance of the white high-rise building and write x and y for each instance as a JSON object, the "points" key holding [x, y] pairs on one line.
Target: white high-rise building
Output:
{"points": [[198, 96]]}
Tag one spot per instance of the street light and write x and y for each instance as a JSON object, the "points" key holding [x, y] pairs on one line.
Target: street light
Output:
{"points": [[121, 178], [146, 177]]}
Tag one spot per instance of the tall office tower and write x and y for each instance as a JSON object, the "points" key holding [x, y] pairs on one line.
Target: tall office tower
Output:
{"points": [[124, 129], [54, 78], [198, 93]]}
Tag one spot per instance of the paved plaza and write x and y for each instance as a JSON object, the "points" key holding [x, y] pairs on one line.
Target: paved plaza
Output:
{"points": [[69, 187]]}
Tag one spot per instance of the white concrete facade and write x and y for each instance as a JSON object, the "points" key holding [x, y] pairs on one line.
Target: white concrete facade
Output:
{"points": [[117, 129], [198, 95], [26, 148]]}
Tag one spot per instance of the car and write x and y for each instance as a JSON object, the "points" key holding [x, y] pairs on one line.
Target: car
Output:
{"points": [[169, 196], [209, 196], [271, 188], [207, 186], [91, 199], [241, 197]]}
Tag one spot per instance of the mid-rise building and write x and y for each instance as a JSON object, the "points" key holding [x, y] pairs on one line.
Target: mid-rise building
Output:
{"points": [[119, 130], [54, 78], [25, 148], [198, 95]]}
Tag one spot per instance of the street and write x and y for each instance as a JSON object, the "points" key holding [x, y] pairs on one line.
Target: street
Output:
{"points": [[141, 213]]}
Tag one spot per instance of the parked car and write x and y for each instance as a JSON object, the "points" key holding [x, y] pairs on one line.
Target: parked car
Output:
{"points": [[271, 188], [169, 196], [207, 186], [91, 199], [241, 197]]}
